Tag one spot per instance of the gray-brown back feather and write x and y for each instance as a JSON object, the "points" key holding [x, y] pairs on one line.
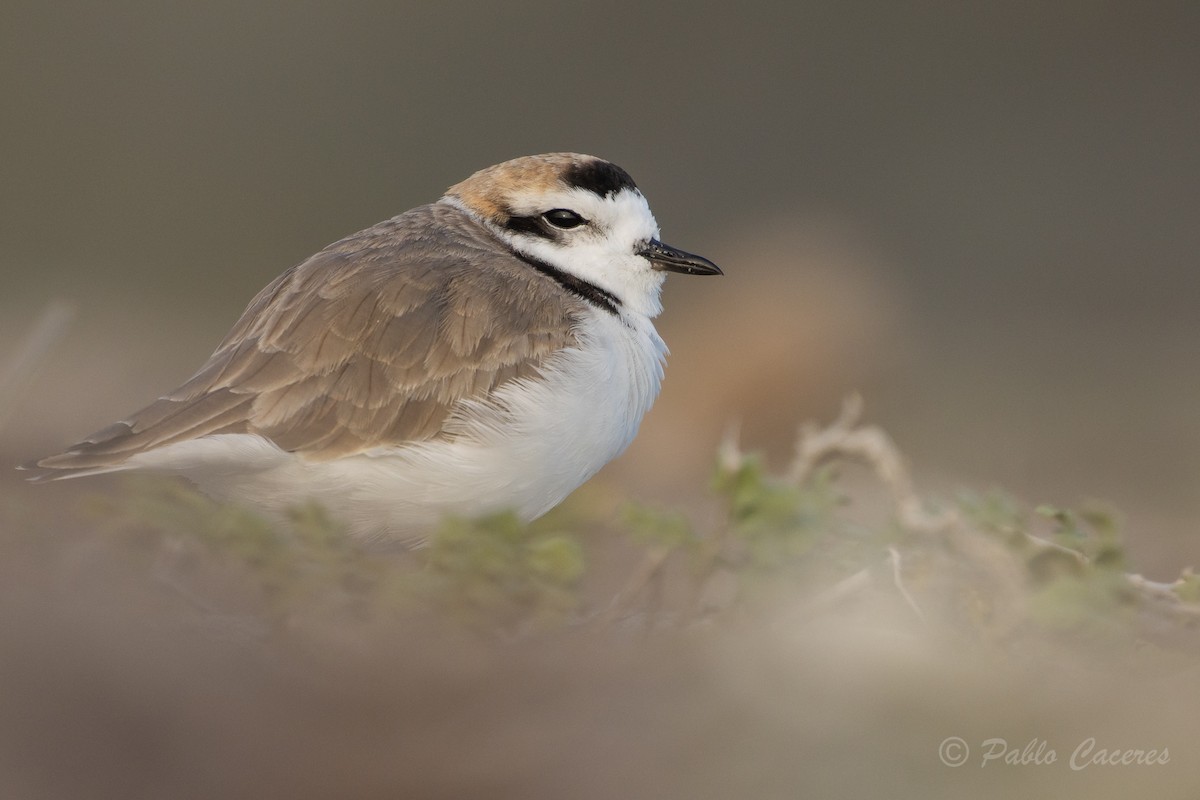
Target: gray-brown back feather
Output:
{"points": [[371, 342]]}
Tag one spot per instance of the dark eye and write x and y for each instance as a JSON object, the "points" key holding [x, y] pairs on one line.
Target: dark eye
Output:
{"points": [[563, 218]]}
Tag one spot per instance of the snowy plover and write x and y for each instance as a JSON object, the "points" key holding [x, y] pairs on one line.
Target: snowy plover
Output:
{"points": [[491, 350]]}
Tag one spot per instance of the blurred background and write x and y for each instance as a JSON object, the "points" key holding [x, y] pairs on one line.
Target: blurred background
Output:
{"points": [[982, 217]]}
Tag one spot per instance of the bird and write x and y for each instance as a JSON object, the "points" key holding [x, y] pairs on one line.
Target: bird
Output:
{"points": [[487, 352]]}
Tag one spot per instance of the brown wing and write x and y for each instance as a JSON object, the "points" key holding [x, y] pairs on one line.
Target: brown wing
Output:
{"points": [[371, 342]]}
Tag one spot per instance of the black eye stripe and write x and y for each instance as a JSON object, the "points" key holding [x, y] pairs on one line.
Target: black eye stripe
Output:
{"points": [[534, 226], [547, 225]]}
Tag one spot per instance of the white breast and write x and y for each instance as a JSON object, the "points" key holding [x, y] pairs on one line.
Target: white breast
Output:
{"points": [[525, 450]]}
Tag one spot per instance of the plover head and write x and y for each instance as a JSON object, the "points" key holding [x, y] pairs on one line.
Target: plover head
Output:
{"points": [[582, 216]]}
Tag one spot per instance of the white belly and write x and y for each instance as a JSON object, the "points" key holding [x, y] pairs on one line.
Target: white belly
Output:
{"points": [[526, 451]]}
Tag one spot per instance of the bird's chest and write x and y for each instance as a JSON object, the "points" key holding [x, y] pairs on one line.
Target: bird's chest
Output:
{"points": [[602, 389], [585, 411]]}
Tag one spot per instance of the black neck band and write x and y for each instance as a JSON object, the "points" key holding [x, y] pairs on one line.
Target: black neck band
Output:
{"points": [[576, 286]]}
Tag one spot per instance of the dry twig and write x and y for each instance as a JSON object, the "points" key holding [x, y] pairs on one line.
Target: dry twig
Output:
{"points": [[874, 447]]}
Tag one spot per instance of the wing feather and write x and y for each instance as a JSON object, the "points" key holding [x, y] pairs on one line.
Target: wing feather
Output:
{"points": [[370, 343]]}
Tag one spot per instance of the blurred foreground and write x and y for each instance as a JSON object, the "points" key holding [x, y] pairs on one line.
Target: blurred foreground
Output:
{"points": [[824, 631]]}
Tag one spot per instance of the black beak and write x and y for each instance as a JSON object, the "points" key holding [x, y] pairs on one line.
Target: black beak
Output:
{"points": [[664, 257]]}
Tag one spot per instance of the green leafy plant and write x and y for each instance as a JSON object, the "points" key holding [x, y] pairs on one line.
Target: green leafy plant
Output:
{"points": [[499, 571]]}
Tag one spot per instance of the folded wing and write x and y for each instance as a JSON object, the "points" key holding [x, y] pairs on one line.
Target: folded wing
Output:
{"points": [[372, 342]]}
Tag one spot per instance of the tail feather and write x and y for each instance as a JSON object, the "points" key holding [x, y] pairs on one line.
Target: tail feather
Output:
{"points": [[164, 422], [47, 474]]}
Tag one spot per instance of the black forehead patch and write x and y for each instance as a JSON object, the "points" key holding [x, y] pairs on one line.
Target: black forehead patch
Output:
{"points": [[600, 177]]}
